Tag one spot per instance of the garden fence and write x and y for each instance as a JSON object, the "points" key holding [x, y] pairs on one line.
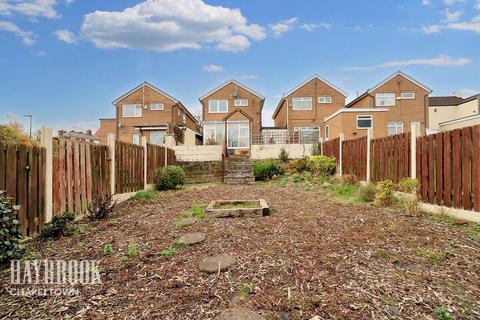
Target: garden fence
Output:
{"points": [[354, 159], [390, 157], [66, 175]]}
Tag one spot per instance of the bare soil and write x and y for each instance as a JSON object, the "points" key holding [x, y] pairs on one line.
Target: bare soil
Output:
{"points": [[312, 256]]}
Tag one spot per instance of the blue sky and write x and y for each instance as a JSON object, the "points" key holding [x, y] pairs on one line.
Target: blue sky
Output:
{"points": [[65, 61]]}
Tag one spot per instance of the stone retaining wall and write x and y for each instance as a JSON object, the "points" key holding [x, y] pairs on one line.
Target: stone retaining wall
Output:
{"points": [[202, 171]]}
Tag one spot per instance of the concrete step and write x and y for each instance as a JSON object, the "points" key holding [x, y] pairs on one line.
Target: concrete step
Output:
{"points": [[246, 167], [239, 180], [239, 172]]}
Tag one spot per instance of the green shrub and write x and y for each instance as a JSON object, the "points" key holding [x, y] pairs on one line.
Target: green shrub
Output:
{"points": [[321, 165], [59, 226], [366, 192], [10, 247], [298, 165], [107, 250], [408, 185], [283, 155], [385, 193], [315, 150], [265, 169], [170, 177]]}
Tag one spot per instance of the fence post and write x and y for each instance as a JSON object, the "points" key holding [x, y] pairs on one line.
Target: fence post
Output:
{"points": [[369, 166], [320, 145], [46, 140], [111, 147], [145, 162], [414, 134], [340, 153]]}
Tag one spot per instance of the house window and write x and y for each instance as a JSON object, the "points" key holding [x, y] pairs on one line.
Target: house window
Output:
{"points": [[157, 137], [241, 102], [302, 103], [364, 122], [218, 106], [184, 118], [325, 99], [238, 134], [131, 110], [136, 138], [213, 133], [407, 95], [394, 127], [327, 132], [385, 99], [156, 106]]}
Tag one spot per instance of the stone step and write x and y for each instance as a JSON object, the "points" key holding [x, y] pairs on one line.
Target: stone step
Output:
{"points": [[239, 180], [239, 173]]}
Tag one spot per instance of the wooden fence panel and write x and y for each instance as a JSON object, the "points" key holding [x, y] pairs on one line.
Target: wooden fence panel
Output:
{"points": [[155, 160], [450, 171], [331, 148], [79, 175], [354, 157], [390, 158], [22, 177], [129, 164]]}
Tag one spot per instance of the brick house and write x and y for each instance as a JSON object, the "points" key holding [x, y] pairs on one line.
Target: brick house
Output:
{"points": [[222, 101], [145, 111]]}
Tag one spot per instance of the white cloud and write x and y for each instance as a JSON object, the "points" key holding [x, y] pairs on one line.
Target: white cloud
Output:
{"points": [[212, 68], [426, 2], [441, 61], [452, 2], [249, 77], [281, 27], [40, 53], [167, 25], [313, 26], [472, 25], [466, 92], [30, 8], [452, 16], [477, 5], [27, 37], [66, 36], [432, 29], [69, 2]]}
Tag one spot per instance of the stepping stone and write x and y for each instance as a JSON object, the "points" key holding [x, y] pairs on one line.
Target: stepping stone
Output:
{"points": [[212, 264], [191, 238], [186, 221], [239, 314]]}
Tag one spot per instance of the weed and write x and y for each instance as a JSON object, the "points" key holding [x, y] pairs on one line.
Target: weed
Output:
{"points": [[146, 246], [345, 191], [73, 231], [180, 245], [442, 314], [385, 195], [475, 232], [391, 228], [107, 250], [411, 205], [132, 249], [348, 179], [198, 211], [167, 252], [185, 215], [244, 291], [297, 178], [143, 195], [101, 207], [82, 245], [283, 155], [453, 252], [366, 192], [264, 170], [434, 256]]}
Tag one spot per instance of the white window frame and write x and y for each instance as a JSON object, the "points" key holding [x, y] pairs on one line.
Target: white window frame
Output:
{"points": [[217, 102], [365, 118], [384, 95], [302, 99], [215, 127], [138, 110], [407, 95], [325, 99], [137, 135], [241, 102], [158, 131], [238, 125], [158, 106], [397, 125]]}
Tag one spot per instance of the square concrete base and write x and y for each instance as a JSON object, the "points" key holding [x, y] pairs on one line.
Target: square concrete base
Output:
{"points": [[256, 208]]}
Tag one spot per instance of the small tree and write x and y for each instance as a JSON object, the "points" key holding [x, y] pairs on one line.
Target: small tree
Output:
{"points": [[315, 150], [10, 247], [283, 155]]}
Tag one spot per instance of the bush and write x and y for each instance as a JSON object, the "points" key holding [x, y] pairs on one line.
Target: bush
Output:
{"points": [[283, 155], [408, 185], [170, 177], [298, 165], [101, 207], [411, 205], [59, 226], [366, 192], [385, 193], [264, 170], [321, 165], [10, 247], [349, 179], [315, 150]]}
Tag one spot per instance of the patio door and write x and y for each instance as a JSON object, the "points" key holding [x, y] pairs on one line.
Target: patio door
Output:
{"points": [[238, 134]]}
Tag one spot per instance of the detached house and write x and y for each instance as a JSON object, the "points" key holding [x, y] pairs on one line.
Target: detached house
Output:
{"points": [[304, 108], [146, 111], [388, 108], [451, 112], [240, 106]]}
